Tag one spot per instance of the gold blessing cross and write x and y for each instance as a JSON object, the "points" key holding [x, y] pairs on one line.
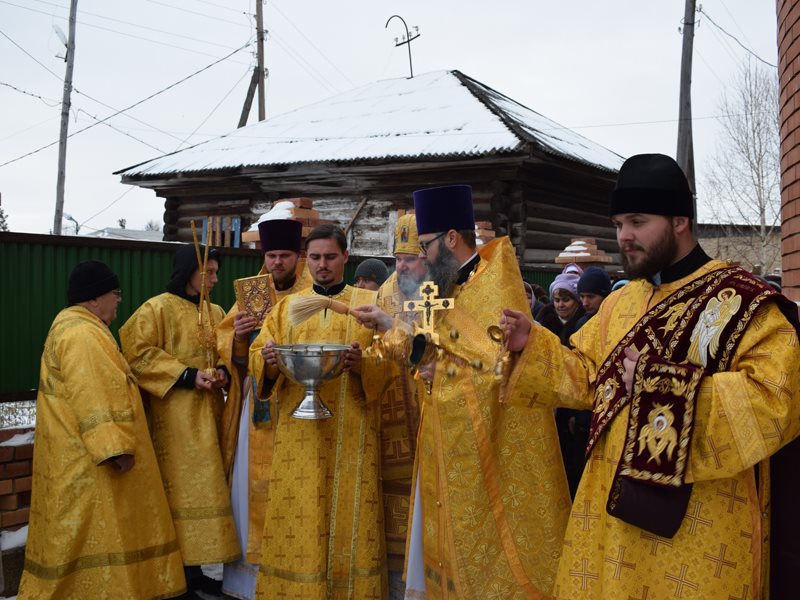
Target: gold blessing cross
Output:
{"points": [[428, 303]]}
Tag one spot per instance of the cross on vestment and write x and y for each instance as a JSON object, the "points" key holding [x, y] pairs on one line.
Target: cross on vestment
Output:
{"points": [[428, 304]]}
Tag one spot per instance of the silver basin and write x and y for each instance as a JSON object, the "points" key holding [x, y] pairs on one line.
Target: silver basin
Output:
{"points": [[311, 365]]}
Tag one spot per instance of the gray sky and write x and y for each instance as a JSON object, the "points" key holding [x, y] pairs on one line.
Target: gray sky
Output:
{"points": [[607, 69]]}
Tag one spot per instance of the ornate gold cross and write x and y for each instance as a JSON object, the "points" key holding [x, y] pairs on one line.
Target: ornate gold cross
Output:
{"points": [[428, 304]]}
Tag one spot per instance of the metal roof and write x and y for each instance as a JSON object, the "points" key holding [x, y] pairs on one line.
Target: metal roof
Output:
{"points": [[438, 114]]}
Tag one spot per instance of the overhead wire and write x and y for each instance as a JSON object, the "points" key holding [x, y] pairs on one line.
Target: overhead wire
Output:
{"points": [[135, 104], [21, 91], [109, 205], [118, 130], [734, 38], [79, 91], [122, 33], [213, 110], [31, 56], [145, 27], [311, 43]]}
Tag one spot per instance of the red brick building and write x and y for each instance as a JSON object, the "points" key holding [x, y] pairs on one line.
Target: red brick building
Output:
{"points": [[789, 77]]}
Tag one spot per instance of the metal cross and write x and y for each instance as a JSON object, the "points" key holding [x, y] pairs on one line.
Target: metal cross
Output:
{"points": [[429, 303]]}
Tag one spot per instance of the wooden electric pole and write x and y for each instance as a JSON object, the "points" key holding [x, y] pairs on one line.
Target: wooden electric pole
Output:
{"points": [[257, 81], [685, 153], [65, 104], [262, 111]]}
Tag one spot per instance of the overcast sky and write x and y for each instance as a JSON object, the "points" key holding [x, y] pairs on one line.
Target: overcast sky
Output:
{"points": [[607, 69]]}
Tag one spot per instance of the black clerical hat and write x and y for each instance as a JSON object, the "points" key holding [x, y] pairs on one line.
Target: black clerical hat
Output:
{"points": [[90, 279], [652, 184], [280, 234]]}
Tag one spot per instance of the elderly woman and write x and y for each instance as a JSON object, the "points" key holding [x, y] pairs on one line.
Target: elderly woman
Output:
{"points": [[564, 310]]}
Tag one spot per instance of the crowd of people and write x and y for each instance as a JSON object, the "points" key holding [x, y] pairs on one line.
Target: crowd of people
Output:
{"points": [[488, 439]]}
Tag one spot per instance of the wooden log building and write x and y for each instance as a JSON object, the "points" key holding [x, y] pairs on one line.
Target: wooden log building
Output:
{"points": [[359, 156]]}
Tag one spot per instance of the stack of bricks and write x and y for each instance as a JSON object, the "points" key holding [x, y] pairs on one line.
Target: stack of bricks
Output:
{"points": [[484, 231], [583, 251], [16, 463], [302, 211]]}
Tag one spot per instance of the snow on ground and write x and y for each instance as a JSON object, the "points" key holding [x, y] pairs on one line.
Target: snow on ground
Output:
{"points": [[13, 539]]}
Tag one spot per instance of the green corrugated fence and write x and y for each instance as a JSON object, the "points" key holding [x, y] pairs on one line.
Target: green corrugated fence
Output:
{"points": [[35, 270]]}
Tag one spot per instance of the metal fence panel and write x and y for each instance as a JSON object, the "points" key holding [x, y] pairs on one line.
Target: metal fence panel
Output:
{"points": [[36, 269]]}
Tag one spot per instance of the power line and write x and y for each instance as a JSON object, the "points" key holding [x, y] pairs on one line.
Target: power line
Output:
{"points": [[77, 91], [100, 27], [145, 27], [199, 14], [305, 65], [105, 208], [135, 104], [213, 110], [734, 38], [21, 91], [118, 130], [321, 53], [31, 56]]}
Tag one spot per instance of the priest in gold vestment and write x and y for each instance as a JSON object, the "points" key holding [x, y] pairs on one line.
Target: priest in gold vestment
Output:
{"points": [[95, 476], [490, 499], [400, 405], [323, 530], [164, 346], [692, 374], [248, 425]]}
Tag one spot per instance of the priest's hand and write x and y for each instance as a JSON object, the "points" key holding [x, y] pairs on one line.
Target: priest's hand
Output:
{"points": [[222, 380], [427, 371], [517, 328], [202, 381], [243, 325], [629, 363], [372, 317], [121, 464], [269, 354], [352, 358]]}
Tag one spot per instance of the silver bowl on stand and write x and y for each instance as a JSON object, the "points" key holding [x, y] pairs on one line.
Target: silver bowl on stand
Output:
{"points": [[311, 365]]}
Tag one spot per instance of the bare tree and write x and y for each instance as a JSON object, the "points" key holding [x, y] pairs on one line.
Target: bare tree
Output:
{"points": [[152, 226], [743, 175]]}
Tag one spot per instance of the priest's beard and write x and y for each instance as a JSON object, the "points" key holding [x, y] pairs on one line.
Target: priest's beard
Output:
{"points": [[409, 285], [444, 270], [654, 259]]}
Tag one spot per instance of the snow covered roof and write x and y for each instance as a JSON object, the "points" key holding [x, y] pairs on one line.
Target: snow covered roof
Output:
{"points": [[434, 115]]}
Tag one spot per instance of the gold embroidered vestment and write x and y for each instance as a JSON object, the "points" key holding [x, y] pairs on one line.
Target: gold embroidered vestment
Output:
{"points": [[323, 529], [160, 342], [741, 417], [94, 530]]}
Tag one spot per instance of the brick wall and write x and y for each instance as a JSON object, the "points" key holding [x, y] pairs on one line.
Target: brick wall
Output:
{"points": [[15, 480], [789, 104]]}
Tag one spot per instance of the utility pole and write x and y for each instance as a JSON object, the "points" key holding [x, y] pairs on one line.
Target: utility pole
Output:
{"points": [[685, 153], [65, 104], [248, 100], [262, 111]]}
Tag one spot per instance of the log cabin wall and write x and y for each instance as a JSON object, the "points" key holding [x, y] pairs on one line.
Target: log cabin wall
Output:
{"points": [[542, 203]]}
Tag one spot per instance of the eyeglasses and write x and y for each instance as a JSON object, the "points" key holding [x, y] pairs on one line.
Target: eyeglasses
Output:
{"points": [[423, 246], [117, 293]]}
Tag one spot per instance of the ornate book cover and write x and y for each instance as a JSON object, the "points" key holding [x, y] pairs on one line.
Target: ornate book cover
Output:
{"points": [[256, 295]]}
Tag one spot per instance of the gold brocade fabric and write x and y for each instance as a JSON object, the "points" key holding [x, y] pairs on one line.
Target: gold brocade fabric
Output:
{"points": [[493, 489], [261, 436], [160, 342], [399, 422], [742, 416], [87, 536], [323, 532]]}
